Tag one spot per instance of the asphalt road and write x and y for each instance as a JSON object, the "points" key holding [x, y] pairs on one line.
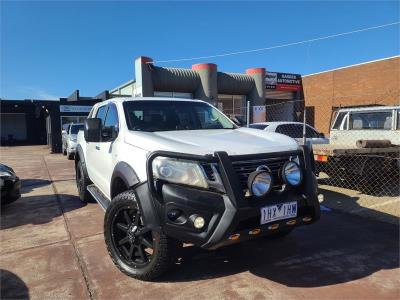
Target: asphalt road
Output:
{"points": [[52, 247]]}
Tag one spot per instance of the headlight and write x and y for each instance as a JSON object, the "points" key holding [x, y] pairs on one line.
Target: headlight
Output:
{"points": [[291, 173], [260, 182], [179, 171]]}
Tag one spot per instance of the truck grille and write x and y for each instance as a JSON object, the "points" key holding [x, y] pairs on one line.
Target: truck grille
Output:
{"points": [[243, 168]]}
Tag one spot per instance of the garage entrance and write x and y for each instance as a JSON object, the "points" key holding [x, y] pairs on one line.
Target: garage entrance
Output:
{"points": [[13, 128]]}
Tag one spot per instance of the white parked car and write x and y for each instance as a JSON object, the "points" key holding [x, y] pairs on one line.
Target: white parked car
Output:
{"points": [[294, 130], [170, 171], [69, 136]]}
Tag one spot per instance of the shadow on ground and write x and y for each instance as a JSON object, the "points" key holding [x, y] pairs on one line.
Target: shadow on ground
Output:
{"points": [[339, 248], [335, 250], [12, 287], [27, 185], [37, 210]]}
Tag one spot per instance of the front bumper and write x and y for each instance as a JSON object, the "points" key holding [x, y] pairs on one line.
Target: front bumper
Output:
{"points": [[229, 217]]}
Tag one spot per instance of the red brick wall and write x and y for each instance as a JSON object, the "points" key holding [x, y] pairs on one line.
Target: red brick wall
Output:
{"points": [[371, 83]]}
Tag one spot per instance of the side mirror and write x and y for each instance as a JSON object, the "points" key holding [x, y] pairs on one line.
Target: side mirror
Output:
{"points": [[92, 130], [321, 135], [109, 134]]}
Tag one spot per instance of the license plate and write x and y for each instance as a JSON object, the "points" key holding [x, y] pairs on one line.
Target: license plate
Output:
{"points": [[278, 212]]}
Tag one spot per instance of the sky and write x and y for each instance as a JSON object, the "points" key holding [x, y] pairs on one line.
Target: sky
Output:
{"points": [[49, 49]]}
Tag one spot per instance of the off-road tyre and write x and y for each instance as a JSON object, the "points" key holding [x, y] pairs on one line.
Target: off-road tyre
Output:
{"points": [[82, 182], [164, 252], [70, 155]]}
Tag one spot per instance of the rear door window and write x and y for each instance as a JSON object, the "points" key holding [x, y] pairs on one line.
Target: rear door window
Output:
{"points": [[293, 130], [75, 129], [371, 120]]}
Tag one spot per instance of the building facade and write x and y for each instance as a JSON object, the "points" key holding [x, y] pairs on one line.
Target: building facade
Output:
{"points": [[39, 122], [230, 92], [375, 82]]}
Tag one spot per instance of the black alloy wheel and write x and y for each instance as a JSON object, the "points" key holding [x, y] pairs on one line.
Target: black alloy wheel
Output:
{"points": [[134, 242], [135, 249]]}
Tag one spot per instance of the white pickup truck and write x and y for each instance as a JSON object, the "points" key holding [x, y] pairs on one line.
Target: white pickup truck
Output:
{"points": [[364, 148], [170, 171]]}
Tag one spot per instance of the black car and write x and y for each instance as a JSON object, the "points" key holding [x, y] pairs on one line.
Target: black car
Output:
{"points": [[10, 185]]}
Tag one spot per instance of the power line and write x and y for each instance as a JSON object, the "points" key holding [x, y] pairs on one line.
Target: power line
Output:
{"points": [[279, 46]]}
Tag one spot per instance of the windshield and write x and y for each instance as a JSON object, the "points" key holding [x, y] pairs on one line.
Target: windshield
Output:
{"points": [[76, 128], [156, 115]]}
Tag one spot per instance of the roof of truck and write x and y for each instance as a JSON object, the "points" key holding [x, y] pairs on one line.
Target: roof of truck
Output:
{"points": [[369, 108], [124, 99]]}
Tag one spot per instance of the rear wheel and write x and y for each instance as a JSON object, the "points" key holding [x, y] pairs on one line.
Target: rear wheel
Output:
{"points": [[70, 155], [135, 249], [82, 182]]}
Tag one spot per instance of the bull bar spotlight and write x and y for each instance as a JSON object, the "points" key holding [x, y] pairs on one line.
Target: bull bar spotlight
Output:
{"points": [[291, 173], [260, 182]]}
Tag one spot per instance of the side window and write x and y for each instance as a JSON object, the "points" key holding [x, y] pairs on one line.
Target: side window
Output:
{"points": [[311, 133], [398, 120], [101, 113], [294, 131], [339, 119], [112, 117], [371, 120]]}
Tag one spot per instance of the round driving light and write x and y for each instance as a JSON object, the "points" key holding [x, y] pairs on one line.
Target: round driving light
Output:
{"points": [[260, 183], [198, 221], [291, 173]]}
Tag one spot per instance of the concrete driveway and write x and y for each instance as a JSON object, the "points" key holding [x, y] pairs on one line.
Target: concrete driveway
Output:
{"points": [[52, 247]]}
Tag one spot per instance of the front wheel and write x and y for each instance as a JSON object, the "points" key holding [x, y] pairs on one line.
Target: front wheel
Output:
{"points": [[136, 250]]}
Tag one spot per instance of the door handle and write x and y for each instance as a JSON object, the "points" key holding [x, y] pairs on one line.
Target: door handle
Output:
{"points": [[97, 147]]}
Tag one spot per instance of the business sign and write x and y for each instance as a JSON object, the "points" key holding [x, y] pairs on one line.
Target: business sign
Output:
{"points": [[282, 81], [259, 114], [75, 108]]}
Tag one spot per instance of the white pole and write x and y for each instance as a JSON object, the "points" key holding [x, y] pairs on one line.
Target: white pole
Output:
{"points": [[248, 114]]}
